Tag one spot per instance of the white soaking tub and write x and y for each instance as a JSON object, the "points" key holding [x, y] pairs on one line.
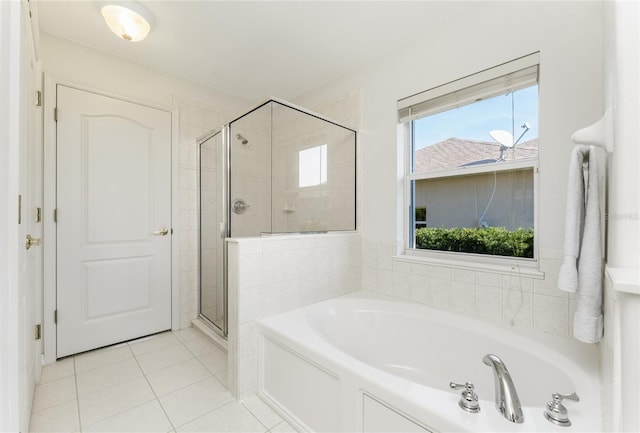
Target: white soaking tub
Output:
{"points": [[365, 363]]}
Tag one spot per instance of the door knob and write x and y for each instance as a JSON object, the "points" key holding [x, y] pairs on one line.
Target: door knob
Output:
{"points": [[32, 242], [162, 232]]}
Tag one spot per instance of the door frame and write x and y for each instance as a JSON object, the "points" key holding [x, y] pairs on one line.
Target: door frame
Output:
{"points": [[51, 83]]}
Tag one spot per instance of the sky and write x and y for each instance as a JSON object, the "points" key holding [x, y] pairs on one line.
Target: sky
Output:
{"points": [[474, 121]]}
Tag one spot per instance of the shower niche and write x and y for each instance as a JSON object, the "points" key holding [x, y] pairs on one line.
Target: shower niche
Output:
{"points": [[278, 169]]}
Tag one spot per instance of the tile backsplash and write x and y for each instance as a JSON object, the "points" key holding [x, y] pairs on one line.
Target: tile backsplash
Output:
{"points": [[508, 297]]}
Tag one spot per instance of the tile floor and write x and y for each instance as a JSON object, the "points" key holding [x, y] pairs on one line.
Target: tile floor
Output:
{"points": [[169, 382]]}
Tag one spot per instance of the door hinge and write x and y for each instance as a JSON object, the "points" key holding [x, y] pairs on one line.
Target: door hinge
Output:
{"points": [[38, 98], [38, 334], [55, 215], [55, 316], [55, 114]]}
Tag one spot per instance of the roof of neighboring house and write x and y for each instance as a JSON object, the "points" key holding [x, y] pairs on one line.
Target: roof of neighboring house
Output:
{"points": [[457, 152]]}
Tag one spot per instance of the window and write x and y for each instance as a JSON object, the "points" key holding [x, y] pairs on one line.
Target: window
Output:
{"points": [[312, 166], [473, 152]]}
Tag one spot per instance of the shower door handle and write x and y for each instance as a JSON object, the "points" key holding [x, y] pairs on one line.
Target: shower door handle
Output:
{"points": [[162, 232]]}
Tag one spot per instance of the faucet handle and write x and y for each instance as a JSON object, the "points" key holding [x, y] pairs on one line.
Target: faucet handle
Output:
{"points": [[559, 397], [468, 398], [455, 385], [556, 412]]}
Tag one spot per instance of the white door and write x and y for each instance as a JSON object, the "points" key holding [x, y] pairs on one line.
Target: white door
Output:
{"points": [[113, 220], [20, 177]]}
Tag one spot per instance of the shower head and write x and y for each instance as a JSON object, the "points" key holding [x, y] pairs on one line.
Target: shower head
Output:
{"points": [[242, 139]]}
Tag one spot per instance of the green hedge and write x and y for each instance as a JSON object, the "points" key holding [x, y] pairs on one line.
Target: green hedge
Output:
{"points": [[496, 241]]}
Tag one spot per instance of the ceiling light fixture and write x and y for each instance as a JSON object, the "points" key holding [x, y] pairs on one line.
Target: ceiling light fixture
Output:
{"points": [[128, 20]]}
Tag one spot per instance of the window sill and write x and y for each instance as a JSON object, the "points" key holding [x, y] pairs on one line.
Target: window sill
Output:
{"points": [[483, 264], [624, 280]]}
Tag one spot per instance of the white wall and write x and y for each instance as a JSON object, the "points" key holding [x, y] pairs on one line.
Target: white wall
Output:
{"points": [[620, 349], [89, 67], [569, 38], [622, 94], [199, 109]]}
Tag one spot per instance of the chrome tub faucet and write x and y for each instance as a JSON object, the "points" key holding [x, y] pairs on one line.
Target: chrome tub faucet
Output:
{"points": [[507, 401]]}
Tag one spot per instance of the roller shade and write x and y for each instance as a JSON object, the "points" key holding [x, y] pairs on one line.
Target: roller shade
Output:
{"points": [[502, 79]]}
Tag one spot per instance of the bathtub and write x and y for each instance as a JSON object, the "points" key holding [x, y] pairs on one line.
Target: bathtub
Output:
{"points": [[366, 363]]}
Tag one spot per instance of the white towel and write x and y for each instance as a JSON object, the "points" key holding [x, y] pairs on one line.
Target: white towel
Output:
{"points": [[582, 245]]}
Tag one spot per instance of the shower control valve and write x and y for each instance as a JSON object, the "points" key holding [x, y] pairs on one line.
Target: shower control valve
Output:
{"points": [[556, 412], [239, 206], [468, 398]]}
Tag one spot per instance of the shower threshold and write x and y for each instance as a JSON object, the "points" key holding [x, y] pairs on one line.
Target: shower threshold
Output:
{"points": [[204, 326]]}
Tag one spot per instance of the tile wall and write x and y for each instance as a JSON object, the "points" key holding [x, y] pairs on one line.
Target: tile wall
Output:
{"points": [[251, 172], [272, 275], [504, 297], [329, 205]]}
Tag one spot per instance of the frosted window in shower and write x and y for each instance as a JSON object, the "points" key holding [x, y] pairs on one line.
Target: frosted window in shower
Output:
{"points": [[312, 166]]}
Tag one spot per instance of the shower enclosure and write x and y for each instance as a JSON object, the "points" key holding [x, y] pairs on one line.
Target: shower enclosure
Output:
{"points": [[276, 169]]}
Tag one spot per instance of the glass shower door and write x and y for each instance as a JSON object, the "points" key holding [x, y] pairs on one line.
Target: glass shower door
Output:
{"points": [[212, 231]]}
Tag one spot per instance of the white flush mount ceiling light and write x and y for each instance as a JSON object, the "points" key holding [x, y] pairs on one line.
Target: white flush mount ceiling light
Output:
{"points": [[128, 20]]}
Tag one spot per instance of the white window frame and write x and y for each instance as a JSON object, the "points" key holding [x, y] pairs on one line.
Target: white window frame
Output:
{"points": [[406, 117]]}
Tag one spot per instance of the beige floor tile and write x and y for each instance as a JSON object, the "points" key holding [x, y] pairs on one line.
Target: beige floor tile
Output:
{"points": [[60, 418], [214, 361], [53, 393], [232, 417], [283, 427], [148, 417], [187, 333], [161, 358], [188, 403], [110, 401], [262, 411], [109, 375], [101, 357], [177, 376], [153, 342], [58, 370], [222, 377]]}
